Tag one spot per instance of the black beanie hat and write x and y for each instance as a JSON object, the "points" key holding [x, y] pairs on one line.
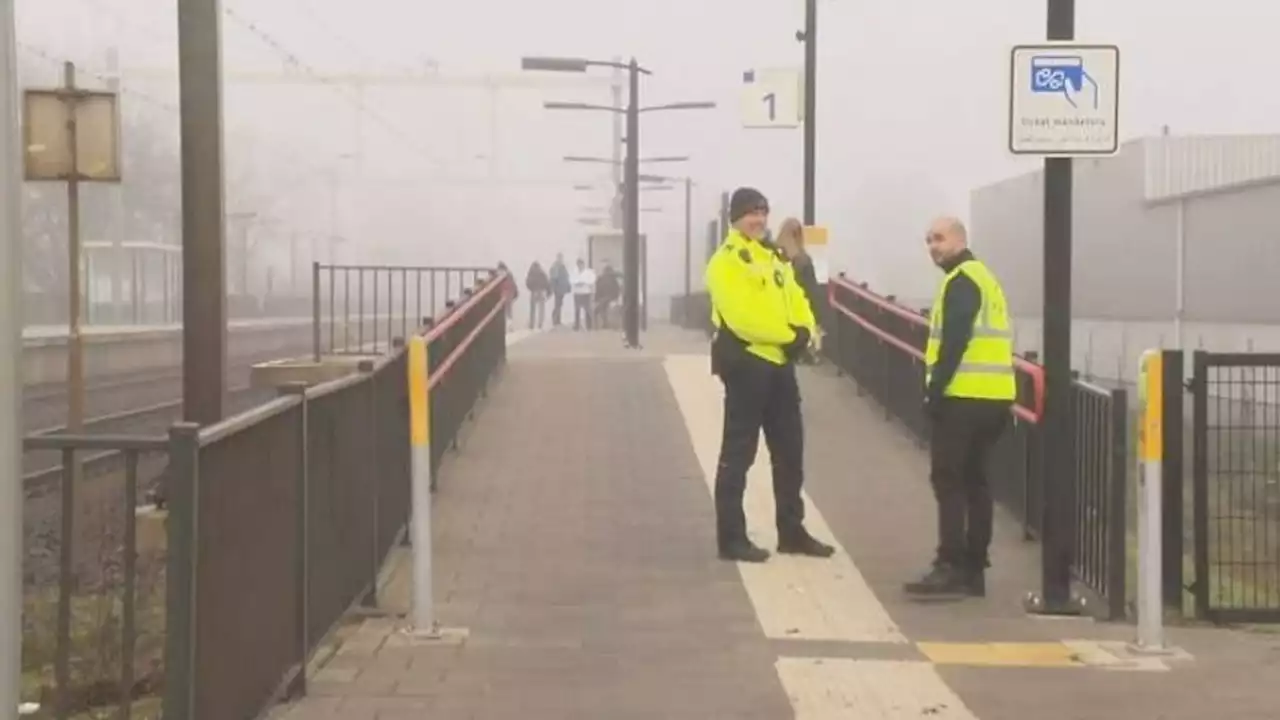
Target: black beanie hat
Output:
{"points": [[744, 201]]}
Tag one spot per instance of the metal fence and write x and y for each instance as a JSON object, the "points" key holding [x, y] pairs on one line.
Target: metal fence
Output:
{"points": [[1236, 486], [362, 308], [278, 520], [880, 344]]}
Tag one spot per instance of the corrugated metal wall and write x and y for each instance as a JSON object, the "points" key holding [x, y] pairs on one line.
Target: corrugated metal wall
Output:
{"points": [[1126, 213], [1178, 166]]}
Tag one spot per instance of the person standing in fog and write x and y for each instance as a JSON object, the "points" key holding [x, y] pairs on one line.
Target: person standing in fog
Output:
{"points": [[969, 389], [560, 287], [791, 243], [608, 291], [763, 323], [515, 293], [539, 286], [584, 288]]}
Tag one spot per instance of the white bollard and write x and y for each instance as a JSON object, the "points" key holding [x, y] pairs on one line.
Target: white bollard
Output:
{"points": [[423, 612], [1150, 503]]}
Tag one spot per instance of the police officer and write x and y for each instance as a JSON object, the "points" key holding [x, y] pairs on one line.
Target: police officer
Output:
{"points": [[970, 386], [763, 323]]}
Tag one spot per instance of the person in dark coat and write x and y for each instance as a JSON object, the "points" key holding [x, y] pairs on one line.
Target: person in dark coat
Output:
{"points": [[560, 287], [791, 243], [538, 284]]}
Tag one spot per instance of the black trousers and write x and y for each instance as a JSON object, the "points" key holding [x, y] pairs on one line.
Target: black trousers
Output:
{"points": [[557, 308], [963, 434], [582, 311], [759, 395]]}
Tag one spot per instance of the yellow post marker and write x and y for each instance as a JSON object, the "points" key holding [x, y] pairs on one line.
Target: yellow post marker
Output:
{"points": [[423, 616], [419, 407], [1150, 501]]}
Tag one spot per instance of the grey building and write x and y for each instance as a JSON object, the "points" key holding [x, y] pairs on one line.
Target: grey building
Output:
{"points": [[1176, 244]]}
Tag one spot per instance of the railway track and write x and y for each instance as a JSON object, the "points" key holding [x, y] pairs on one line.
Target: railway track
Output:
{"points": [[44, 407]]}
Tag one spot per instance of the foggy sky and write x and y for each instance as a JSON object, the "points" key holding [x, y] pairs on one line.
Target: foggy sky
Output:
{"points": [[911, 111]]}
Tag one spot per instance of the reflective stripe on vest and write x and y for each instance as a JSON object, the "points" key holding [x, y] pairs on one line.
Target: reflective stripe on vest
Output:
{"points": [[986, 368]]}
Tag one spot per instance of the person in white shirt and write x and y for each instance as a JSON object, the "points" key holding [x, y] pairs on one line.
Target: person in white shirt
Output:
{"points": [[584, 287]]}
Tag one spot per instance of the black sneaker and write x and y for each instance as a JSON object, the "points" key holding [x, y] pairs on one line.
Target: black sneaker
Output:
{"points": [[743, 551], [943, 580], [805, 544], [976, 583]]}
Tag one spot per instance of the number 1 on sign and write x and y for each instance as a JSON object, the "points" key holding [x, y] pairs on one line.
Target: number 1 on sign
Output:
{"points": [[772, 103]]}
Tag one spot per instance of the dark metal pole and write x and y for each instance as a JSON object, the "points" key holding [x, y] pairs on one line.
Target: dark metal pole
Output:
{"points": [[204, 305], [688, 250], [75, 303], [1058, 541], [810, 106], [631, 214], [11, 501]]}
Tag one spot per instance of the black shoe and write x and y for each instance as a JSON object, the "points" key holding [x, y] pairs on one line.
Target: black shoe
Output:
{"points": [[976, 583], [743, 551], [944, 580], [804, 544]]}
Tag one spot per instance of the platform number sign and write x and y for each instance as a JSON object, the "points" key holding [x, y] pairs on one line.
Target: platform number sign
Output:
{"points": [[771, 102], [771, 98]]}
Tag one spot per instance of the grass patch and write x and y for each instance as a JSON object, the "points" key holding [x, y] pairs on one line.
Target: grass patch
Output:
{"points": [[95, 648]]}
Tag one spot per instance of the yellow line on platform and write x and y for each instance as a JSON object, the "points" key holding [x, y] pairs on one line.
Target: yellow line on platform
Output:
{"points": [[1002, 654]]}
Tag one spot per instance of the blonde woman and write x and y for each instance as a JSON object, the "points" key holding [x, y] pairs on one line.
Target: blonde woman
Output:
{"points": [[791, 242]]}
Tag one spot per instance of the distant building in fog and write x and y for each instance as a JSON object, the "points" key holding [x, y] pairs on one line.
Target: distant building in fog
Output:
{"points": [[1175, 237]]}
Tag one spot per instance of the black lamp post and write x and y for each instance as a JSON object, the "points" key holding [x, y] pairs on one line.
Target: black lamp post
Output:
{"points": [[631, 166]]}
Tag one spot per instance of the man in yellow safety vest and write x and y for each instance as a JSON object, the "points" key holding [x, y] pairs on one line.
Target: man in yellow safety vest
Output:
{"points": [[763, 323], [969, 388]]}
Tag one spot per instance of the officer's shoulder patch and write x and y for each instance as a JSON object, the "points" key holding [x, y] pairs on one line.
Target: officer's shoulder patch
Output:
{"points": [[744, 256], [728, 247]]}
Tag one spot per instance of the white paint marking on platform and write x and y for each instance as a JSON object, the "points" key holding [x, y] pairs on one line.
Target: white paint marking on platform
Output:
{"points": [[794, 598], [516, 336], [844, 689]]}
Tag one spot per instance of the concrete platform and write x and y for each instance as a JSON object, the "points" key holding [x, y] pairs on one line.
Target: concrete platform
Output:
{"points": [[575, 545]]}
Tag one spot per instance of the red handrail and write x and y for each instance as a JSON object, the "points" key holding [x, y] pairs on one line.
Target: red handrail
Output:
{"points": [[1034, 371], [498, 280], [456, 314]]}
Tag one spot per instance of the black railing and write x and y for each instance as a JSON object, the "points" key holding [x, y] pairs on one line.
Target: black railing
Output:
{"points": [[277, 520], [1235, 433], [93, 580], [880, 344], [280, 518], [359, 309]]}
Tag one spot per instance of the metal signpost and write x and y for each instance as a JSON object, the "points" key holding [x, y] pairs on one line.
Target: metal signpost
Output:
{"points": [[72, 136], [1063, 103]]}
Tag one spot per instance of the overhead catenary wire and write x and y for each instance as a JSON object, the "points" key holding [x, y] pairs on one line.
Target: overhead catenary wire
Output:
{"points": [[293, 60]]}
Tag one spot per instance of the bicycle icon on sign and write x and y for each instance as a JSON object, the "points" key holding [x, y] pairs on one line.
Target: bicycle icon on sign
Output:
{"points": [[1061, 75]]}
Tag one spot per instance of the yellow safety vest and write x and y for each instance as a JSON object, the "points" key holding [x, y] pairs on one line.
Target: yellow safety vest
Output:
{"points": [[755, 293], [986, 368]]}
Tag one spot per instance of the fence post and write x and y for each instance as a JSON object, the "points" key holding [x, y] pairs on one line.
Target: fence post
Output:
{"points": [[1150, 505], [1173, 515], [180, 592], [302, 541], [366, 368], [315, 310], [1117, 506], [1200, 478], [423, 610]]}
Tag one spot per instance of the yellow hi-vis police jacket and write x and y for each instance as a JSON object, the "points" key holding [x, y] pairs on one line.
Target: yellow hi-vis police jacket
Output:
{"points": [[754, 292], [986, 367]]}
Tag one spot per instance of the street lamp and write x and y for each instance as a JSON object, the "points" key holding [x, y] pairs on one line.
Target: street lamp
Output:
{"points": [[610, 161], [631, 171]]}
